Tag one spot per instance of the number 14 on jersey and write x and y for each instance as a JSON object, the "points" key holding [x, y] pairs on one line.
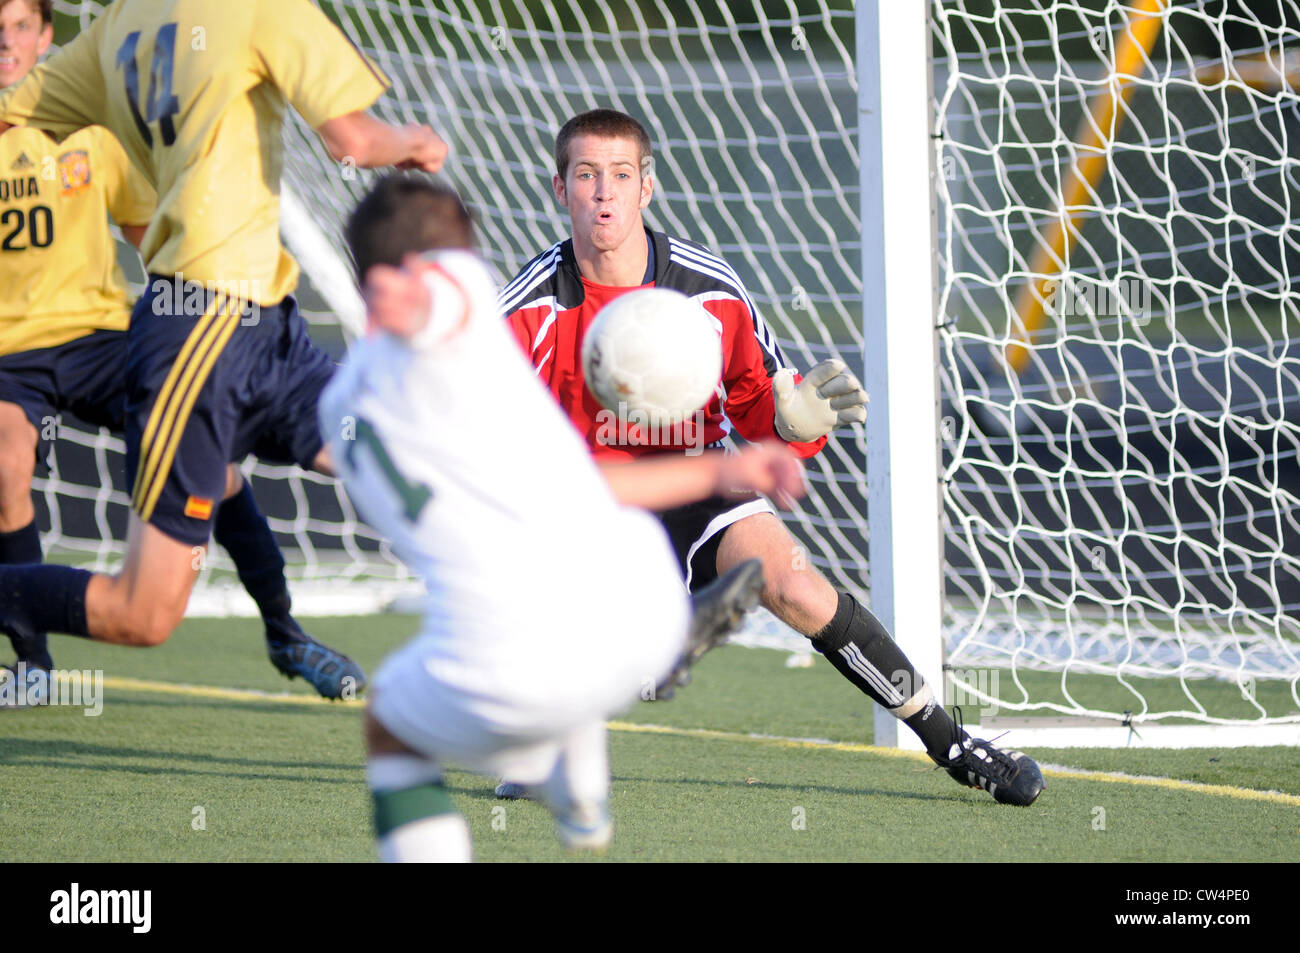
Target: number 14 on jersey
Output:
{"points": [[161, 103]]}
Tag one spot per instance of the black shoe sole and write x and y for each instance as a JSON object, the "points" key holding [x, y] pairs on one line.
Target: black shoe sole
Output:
{"points": [[719, 610]]}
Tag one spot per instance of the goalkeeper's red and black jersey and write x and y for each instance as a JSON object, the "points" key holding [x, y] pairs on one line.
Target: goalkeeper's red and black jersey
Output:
{"points": [[549, 306]]}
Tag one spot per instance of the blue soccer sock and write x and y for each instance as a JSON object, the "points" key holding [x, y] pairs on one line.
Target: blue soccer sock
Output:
{"points": [[38, 599], [242, 531], [22, 547]]}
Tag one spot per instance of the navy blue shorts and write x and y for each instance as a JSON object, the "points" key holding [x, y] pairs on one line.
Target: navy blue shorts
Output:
{"points": [[204, 388], [83, 377]]}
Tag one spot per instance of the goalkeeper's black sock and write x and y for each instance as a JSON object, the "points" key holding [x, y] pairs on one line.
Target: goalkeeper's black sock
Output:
{"points": [[43, 599], [857, 644], [242, 531], [22, 547]]}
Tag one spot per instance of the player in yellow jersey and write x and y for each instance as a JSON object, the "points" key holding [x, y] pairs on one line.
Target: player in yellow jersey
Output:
{"points": [[63, 319], [218, 359]]}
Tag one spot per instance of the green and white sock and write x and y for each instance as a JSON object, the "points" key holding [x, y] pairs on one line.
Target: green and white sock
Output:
{"points": [[415, 819]]}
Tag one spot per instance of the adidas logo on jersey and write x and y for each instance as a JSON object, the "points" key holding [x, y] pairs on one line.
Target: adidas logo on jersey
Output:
{"points": [[24, 161]]}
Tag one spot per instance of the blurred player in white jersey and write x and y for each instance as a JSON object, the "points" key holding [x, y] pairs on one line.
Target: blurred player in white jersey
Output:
{"points": [[552, 604]]}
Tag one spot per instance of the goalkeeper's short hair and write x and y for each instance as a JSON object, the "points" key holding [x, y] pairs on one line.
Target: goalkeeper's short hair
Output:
{"points": [[607, 124], [44, 7], [403, 215]]}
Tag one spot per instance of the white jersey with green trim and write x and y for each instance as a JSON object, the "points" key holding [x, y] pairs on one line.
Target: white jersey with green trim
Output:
{"points": [[539, 580]]}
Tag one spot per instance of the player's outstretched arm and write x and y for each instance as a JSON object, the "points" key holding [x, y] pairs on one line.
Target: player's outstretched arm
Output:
{"points": [[371, 143], [331, 84], [661, 483]]}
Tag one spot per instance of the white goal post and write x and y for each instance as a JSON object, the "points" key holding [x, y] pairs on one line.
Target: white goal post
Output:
{"points": [[899, 339]]}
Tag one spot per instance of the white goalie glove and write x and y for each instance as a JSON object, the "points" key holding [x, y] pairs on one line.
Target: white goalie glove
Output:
{"points": [[829, 396]]}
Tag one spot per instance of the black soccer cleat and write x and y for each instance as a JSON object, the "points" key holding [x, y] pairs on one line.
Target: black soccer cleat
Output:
{"points": [[718, 610], [297, 655], [1011, 777]]}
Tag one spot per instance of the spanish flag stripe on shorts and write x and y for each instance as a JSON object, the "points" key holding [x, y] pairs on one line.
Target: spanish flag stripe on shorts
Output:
{"points": [[176, 398], [159, 409], [225, 328], [160, 401], [158, 456]]}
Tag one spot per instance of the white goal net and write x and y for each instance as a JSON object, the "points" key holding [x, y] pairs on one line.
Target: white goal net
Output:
{"points": [[1120, 348]]}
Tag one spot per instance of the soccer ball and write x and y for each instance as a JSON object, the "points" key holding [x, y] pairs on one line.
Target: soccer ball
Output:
{"points": [[653, 353]]}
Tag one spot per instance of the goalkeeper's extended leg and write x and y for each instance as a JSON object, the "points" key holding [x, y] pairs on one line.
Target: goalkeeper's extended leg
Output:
{"points": [[242, 531], [862, 651], [855, 642]]}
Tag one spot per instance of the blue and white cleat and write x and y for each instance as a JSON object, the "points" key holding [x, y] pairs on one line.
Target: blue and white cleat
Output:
{"points": [[297, 655]]}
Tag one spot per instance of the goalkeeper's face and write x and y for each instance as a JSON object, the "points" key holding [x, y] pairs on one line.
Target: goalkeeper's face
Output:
{"points": [[605, 189], [23, 38]]}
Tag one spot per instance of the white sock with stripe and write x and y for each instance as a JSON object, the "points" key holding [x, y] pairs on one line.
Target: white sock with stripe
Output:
{"points": [[415, 820]]}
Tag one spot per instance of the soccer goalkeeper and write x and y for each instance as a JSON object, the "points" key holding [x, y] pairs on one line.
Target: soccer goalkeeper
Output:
{"points": [[602, 178]]}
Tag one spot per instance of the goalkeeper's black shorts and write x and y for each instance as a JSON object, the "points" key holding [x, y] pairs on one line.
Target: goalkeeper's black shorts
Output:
{"points": [[696, 530]]}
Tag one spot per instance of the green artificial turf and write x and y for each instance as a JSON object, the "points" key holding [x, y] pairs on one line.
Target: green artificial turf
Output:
{"points": [[199, 775]]}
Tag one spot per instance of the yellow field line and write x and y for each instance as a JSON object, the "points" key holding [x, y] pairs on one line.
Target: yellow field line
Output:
{"points": [[1052, 771], [1173, 784], [774, 740], [226, 694]]}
